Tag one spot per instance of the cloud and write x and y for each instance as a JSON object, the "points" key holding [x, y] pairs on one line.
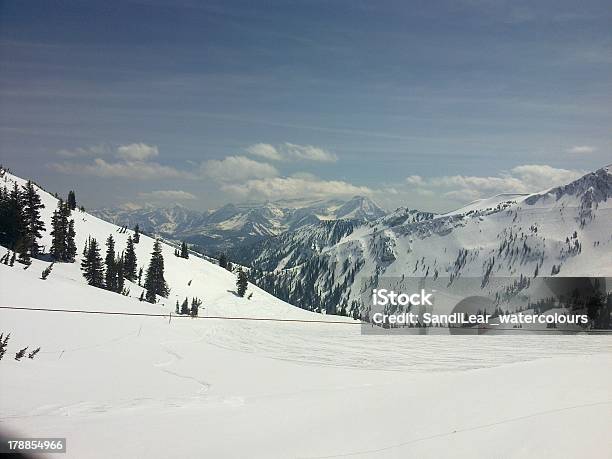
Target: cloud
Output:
{"points": [[309, 153], [85, 152], [137, 152], [291, 151], [414, 180], [528, 178], [137, 170], [300, 186], [581, 149], [167, 195], [132, 161], [265, 150], [237, 168]]}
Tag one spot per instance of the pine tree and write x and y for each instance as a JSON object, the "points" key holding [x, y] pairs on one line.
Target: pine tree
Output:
{"points": [[241, 282], [223, 260], [59, 232], [136, 234], [140, 277], [33, 223], [119, 265], [195, 306], [71, 200], [46, 272], [33, 353], [71, 248], [91, 265], [129, 262], [3, 343], [19, 355], [12, 219], [86, 246], [177, 308], [111, 268], [185, 307], [184, 250], [155, 283]]}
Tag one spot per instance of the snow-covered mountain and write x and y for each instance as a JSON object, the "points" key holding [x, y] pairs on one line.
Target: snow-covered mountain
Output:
{"points": [[564, 231], [238, 224]]}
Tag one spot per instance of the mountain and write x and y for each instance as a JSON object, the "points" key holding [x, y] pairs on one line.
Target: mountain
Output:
{"points": [[240, 224], [564, 231]]}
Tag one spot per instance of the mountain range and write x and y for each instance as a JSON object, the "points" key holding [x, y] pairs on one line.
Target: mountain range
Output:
{"points": [[563, 231], [232, 225]]}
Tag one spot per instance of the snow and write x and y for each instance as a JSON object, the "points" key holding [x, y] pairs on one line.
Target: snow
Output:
{"points": [[150, 387]]}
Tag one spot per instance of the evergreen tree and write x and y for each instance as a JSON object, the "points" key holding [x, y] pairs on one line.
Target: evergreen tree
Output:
{"points": [[12, 219], [195, 306], [129, 262], [33, 353], [62, 248], [33, 223], [184, 250], [111, 268], [71, 200], [86, 246], [155, 284], [140, 277], [71, 248], [185, 307], [119, 265], [177, 308], [46, 271], [241, 282], [3, 343], [136, 234], [223, 260], [91, 265], [19, 355]]}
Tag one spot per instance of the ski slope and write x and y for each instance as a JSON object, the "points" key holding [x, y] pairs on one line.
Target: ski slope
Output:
{"points": [[159, 387]]}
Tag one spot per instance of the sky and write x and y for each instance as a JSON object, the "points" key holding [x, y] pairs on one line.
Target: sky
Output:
{"points": [[422, 104]]}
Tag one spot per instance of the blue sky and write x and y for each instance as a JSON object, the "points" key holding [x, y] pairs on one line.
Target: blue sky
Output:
{"points": [[424, 104]]}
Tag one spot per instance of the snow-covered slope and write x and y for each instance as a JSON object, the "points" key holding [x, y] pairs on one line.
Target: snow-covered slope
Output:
{"points": [[150, 387], [565, 231], [193, 277]]}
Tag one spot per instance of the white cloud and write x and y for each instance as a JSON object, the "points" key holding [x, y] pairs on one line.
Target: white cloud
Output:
{"points": [[133, 161], [528, 178], [308, 153], [291, 151], [414, 180], [301, 186], [137, 170], [237, 168], [265, 150], [167, 195], [581, 149], [137, 152], [84, 152]]}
